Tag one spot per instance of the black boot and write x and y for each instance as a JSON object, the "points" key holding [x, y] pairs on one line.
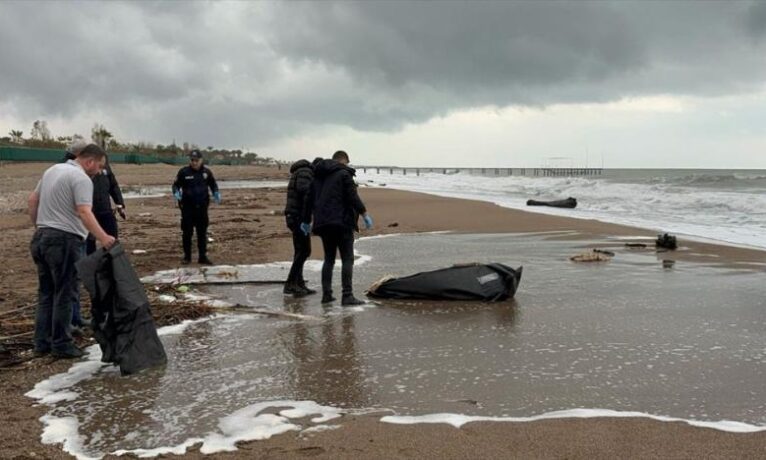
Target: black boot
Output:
{"points": [[309, 291], [205, 261], [350, 300], [327, 297], [289, 288]]}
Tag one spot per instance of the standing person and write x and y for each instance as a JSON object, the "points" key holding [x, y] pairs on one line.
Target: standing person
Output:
{"points": [[191, 191], [301, 176], [60, 208], [336, 207], [106, 189], [78, 324]]}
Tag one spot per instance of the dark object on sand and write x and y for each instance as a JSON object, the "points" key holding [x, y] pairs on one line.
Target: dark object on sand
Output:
{"points": [[605, 252], [122, 321], [395, 224], [488, 282], [567, 203], [635, 245], [666, 241]]}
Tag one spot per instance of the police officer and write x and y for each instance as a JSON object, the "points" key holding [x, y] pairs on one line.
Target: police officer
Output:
{"points": [[191, 191]]}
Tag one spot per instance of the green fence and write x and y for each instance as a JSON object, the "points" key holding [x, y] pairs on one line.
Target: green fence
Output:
{"points": [[55, 155]]}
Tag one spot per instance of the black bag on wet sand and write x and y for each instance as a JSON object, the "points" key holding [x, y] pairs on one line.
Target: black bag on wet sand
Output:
{"points": [[487, 282], [122, 320]]}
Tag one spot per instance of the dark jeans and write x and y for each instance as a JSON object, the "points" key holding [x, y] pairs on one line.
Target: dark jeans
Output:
{"points": [[338, 240], [194, 217], [55, 253], [301, 252], [108, 222], [76, 315]]}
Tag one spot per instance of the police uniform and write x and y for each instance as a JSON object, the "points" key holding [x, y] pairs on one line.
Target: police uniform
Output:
{"points": [[195, 199]]}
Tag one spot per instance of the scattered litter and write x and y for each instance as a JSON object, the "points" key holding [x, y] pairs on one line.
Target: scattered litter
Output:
{"points": [[166, 298], [394, 224], [666, 241], [635, 245], [140, 251], [604, 251], [144, 214], [182, 288], [210, 240], [277, 212], [668, 264]]}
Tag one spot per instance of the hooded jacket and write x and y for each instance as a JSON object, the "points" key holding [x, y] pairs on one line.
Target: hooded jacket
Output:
{"points": [[298, 188], [333, 198]]}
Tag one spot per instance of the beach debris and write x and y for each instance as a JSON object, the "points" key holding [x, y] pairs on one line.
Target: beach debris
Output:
{"points": [[487, 282], [182, 288], [635, 245], [393, 224], [666, 241], [565, 203], [210, 240], [166, 298], [140, 251], [605, 252], [668, 264], [277, 212], [144, 214], [596, 255]]}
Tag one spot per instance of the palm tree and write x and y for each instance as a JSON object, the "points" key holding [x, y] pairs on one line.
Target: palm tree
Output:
{"points": [[100, 135], [16, 136]]}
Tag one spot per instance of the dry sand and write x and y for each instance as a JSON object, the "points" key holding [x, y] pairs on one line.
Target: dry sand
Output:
{"points": [[248, 228]]}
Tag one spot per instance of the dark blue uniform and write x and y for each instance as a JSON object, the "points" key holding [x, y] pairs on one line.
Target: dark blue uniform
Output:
{"points": [[194, 185]]}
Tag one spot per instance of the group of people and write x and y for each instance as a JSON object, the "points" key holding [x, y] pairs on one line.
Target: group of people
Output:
{"points": [[322, 197], [71, 208]]}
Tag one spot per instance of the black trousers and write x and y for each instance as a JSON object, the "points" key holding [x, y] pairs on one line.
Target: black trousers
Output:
{"points": [[194, 217], [333, 241], [301, 252], [108, 222]]}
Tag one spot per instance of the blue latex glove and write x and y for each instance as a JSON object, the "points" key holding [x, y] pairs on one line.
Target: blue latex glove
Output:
{"points": [[367, 221], [306, 228], [177, 194], [217, 197]]}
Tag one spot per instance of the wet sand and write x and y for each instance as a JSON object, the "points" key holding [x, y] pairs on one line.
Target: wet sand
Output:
{"points": [[246, 231]]}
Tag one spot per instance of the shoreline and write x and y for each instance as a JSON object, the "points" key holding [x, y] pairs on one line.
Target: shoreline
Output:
{"points": [[264, 239]]}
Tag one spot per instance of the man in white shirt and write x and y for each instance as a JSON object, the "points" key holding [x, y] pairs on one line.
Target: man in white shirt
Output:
{"points": [[60, 208]]}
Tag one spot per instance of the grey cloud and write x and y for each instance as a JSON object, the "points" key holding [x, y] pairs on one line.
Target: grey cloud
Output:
{"points": [[236, 74]]}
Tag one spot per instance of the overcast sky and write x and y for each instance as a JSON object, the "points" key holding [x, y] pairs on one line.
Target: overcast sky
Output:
{"points": [[644, 84]]}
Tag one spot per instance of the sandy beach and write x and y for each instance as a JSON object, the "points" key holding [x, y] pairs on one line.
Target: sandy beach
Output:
{"points": [[249, 228]]}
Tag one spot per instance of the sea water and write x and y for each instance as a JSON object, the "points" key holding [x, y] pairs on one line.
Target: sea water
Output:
{"points": [[727, 206]]}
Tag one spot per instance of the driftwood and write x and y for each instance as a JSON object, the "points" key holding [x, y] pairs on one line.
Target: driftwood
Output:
{"points": [[566, 203]]}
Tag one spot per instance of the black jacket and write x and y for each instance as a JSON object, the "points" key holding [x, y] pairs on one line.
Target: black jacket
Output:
{"points": [[105, 186], [194, 185], [301, 176], [333, 199]]}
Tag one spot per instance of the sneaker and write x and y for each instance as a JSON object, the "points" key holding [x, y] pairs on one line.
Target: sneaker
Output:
{"points": [[205, 261], [350, 300], [327, 298], [186, 261], [70, 353]]}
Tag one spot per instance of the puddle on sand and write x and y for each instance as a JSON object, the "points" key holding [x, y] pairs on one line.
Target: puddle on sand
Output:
{"points": [[626, 335]]}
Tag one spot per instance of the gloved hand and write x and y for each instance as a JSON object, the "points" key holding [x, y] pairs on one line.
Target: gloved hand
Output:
{"points": [[217, 197], [367, 221], [306, 228], [178, 195], [121, 211]]}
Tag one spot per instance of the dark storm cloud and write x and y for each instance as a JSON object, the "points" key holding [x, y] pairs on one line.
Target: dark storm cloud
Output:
{"points": [[235, 74]]}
